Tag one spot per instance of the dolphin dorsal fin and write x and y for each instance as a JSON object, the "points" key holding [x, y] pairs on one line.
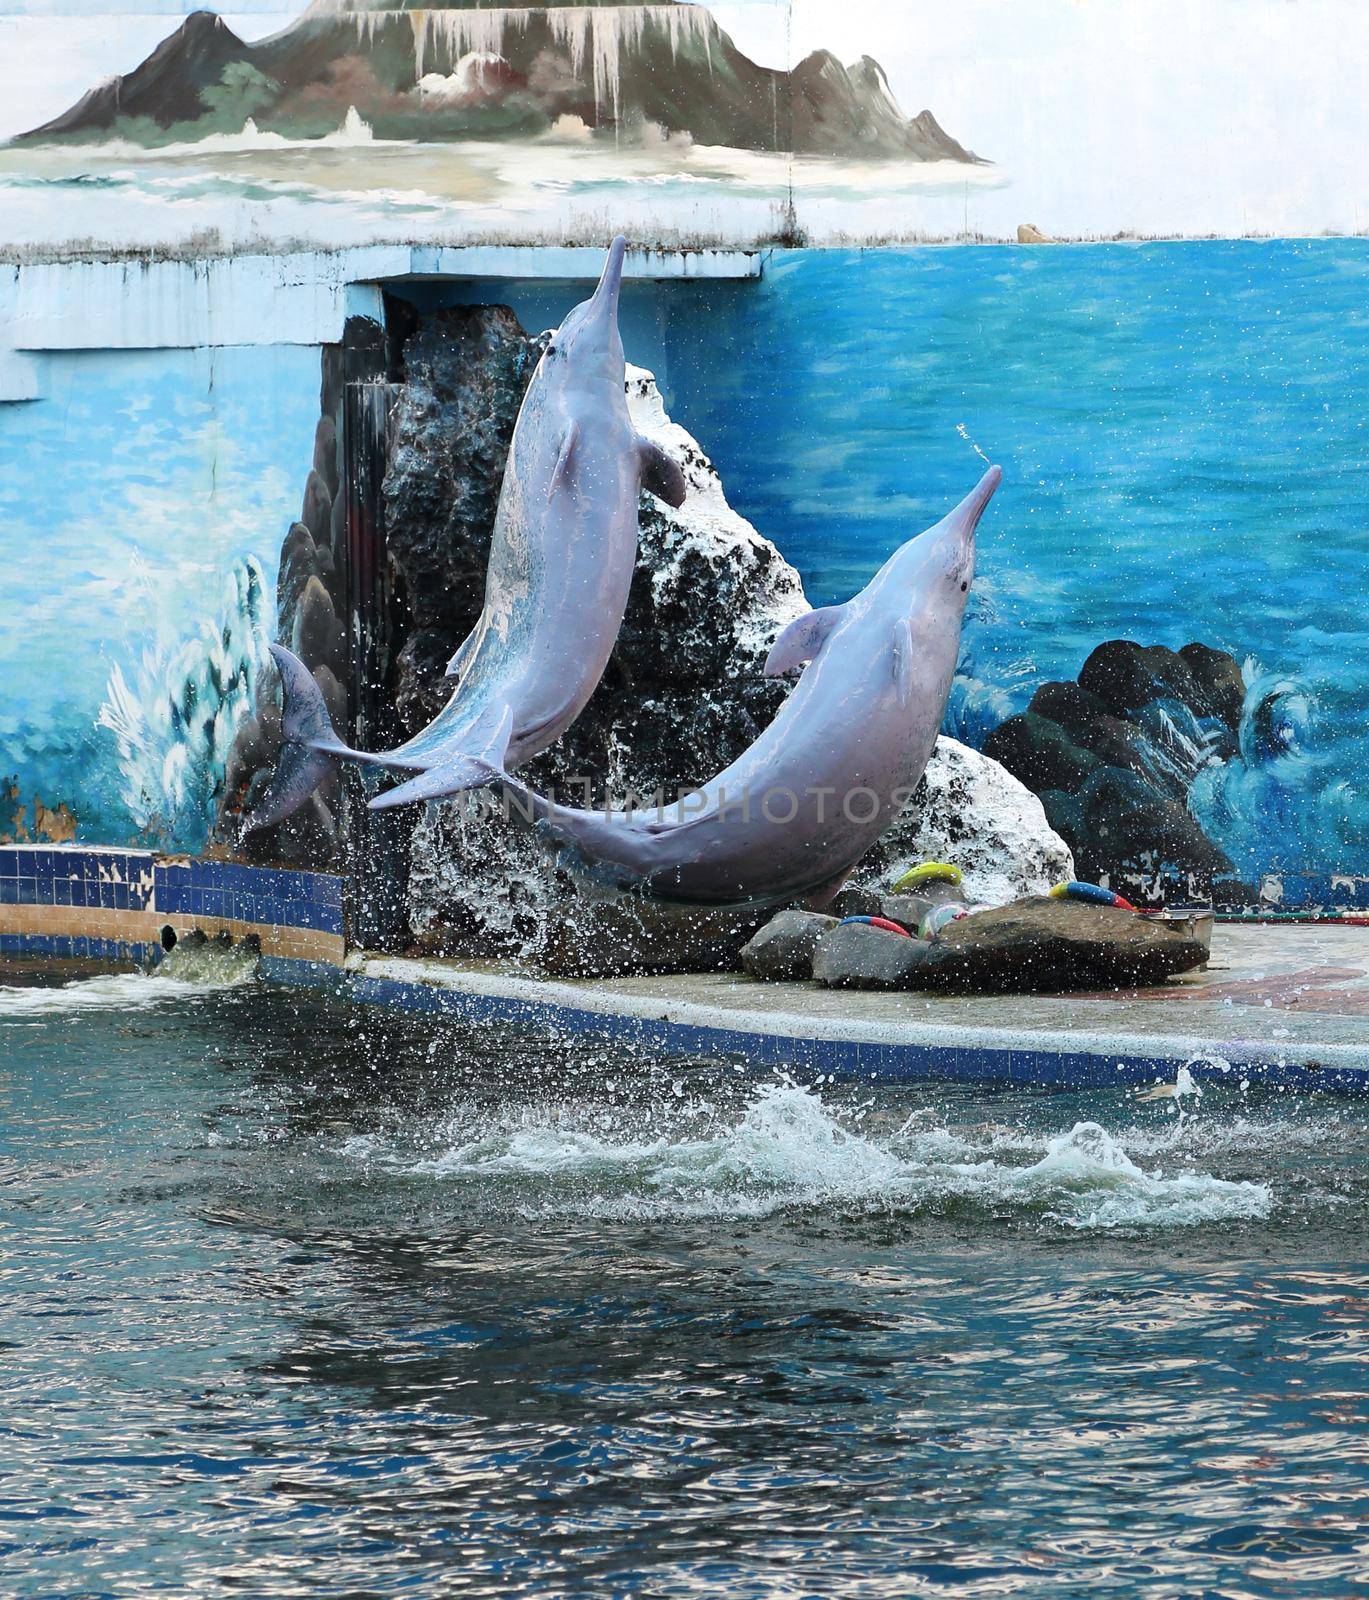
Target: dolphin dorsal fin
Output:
{"points": [[802, 639], [461, 658], [902, 662]]}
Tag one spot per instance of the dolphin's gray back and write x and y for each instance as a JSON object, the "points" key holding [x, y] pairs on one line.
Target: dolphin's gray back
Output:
{"points": [[842, 730]]}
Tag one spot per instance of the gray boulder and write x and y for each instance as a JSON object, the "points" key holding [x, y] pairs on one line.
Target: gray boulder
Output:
{"points": [[783, 950], [325, 454], [858, 901], [318, 638], [1039, 753], [855, 955], [316, 512], [1220, 675], [908, 910], [620, 935], [1050, 946]]}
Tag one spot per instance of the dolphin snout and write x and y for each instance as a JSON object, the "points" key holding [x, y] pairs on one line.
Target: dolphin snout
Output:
{"points": [[604, 301], [965, 518]]}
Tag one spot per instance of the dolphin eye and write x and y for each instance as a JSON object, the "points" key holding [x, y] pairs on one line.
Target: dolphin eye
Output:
{"points": [[964, 587]]}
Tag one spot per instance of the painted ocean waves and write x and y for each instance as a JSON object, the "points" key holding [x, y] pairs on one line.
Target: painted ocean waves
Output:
{"points": [[1182, 431]]}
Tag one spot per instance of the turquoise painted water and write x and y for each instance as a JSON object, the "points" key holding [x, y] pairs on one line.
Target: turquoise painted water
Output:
{"points": [[297, 1299], [1183, 434], [143, 501]]}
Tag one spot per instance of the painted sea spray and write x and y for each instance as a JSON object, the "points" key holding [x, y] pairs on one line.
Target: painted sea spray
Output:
{"points": [[175, 712]]}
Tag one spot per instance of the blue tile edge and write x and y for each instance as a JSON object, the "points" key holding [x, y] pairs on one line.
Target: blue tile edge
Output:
{"points": [[77, 947], [843, 1058], [114, 879]]}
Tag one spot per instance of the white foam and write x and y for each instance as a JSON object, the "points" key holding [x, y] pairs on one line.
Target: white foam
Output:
{"points": [[125, 991], [790, 1151]]}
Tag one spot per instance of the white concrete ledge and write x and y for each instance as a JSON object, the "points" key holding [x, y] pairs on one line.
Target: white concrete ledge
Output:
{"points": [[141, 303], [800, 1011], [21, 376], [1034, 1039]]}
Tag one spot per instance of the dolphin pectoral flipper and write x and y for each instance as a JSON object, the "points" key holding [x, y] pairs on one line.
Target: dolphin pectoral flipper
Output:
{"points": [[478, 761], [802, 640], [565, 460], [661, 473], [902, 662]]}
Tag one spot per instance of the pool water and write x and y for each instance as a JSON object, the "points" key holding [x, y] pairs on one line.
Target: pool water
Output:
{"points": [[304, 1298]]}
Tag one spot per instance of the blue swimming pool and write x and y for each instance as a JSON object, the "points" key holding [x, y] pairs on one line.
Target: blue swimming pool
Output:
{"points": [[302, 1298]]}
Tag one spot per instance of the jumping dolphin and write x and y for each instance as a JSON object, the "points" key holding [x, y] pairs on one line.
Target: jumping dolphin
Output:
{"points": [[561, 560], [796, 811]]}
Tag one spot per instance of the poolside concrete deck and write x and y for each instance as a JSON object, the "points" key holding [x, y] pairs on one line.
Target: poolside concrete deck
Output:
{"points": [[1280, 1002]]}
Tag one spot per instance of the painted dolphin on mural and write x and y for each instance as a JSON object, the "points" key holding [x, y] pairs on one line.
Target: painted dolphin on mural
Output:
{"points": [[796, 811], [561, 560]]}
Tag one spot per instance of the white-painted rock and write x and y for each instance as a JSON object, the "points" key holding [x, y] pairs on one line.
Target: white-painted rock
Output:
{"points": [[971, 811]]}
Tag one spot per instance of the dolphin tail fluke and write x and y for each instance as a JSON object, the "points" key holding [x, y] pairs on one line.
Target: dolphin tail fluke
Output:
{"points": [[311, 746], [299, 771], [304, 714], [479, 761]]}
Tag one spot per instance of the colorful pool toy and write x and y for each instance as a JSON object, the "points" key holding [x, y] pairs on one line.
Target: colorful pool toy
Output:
{"points": [[928, 872], [939, 916], [879, 922], [1091, 894]]}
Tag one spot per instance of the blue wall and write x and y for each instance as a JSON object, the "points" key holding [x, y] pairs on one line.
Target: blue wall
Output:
{"points": [[1181, 426], [1183, 434]]}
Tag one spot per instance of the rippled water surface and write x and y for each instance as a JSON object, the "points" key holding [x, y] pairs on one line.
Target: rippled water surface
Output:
{"points": [[299, 1298]]}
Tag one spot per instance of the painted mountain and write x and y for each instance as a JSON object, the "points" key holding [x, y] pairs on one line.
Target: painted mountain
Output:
{"points": [[630, 73]]}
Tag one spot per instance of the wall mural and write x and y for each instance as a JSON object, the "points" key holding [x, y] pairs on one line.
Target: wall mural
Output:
{"points": [[1160, 409], [1181, 429], [143, 504], [744, 122]]}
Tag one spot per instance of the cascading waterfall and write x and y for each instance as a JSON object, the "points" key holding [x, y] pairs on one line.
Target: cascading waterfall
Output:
{"points": [[173, 714], [593, 36]]}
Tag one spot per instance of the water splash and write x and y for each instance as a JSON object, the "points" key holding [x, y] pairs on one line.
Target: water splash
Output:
{"points": [[789, 1151], [125, 991], [209, 964], [174, 713], [960, 427]]}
